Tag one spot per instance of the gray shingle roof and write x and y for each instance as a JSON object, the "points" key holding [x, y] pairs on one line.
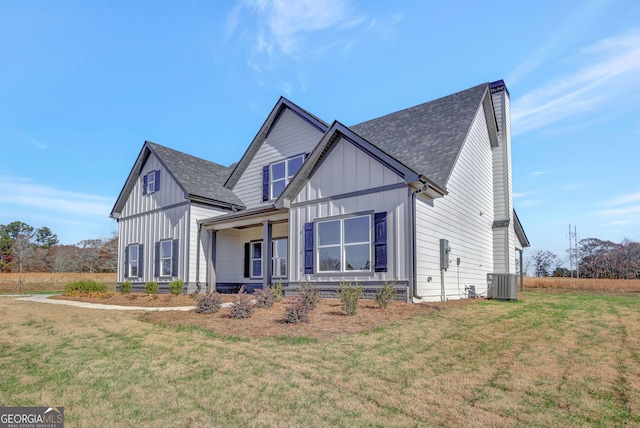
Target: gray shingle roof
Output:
{"points": [[428, 137], [198, 177]]}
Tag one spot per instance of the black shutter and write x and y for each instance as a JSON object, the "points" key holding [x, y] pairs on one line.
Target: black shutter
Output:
{"points": [[140, 260], [144, 185], [157, 180], [265, 183], [174, 258], [156, 259], [247, 259], [308, 248], [380, 241], [126, 261]]}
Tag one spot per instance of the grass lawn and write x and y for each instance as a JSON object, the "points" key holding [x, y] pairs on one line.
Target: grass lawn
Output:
{"points": [[549, 359]]}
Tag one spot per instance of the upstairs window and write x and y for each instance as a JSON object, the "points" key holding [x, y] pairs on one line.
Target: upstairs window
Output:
{"points": [[151, 182], [281, 173]]}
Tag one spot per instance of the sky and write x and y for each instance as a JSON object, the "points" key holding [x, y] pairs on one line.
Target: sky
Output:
{"points": [[83, 84]]}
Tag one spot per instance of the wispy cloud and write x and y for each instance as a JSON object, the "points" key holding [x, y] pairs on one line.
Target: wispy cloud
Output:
{"points": [[626, 211], [541, 172], [624, 199], [605, 71], [27, 194]]}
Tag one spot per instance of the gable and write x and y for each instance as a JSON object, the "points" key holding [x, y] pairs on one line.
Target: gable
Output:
{"points": [[346, 169], [288, 136]]}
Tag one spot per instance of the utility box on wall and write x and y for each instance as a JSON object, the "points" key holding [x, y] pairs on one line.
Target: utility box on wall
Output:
{"points": [[502, 286], [444, 254]]}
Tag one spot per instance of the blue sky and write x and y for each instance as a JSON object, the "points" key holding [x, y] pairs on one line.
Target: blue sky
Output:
{"points": [[84, 84]]}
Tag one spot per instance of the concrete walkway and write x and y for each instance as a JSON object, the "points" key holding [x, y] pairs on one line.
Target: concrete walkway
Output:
{"points": [[44, 298]]}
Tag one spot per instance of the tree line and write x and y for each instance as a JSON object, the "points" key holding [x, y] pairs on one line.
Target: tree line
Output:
{"points": [[24, 248], [597, 258]]}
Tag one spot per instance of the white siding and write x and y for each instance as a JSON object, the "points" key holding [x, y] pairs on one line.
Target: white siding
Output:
{"points": [[199, 212], [147, 229], [229, 266], [347, 169], [290, 136], [464, 217], [170, 192]]}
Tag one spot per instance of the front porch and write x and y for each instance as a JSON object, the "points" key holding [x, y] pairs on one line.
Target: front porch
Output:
{"points": [[249, 249]]}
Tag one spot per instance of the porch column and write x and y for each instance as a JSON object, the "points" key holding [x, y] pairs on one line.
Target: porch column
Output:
{"points": [[521, 272], [211, 262], [266, 253]]}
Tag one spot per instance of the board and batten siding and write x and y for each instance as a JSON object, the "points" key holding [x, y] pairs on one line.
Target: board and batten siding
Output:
{"points": [[290, 136], [464, 217], [147, 229], [170, 192], [345, 170]]}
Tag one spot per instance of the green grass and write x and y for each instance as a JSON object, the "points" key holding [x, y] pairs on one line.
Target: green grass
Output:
{"points": [[550, 359]]}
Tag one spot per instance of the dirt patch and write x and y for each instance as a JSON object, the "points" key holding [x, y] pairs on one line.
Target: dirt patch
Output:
{"points": [[326, 321]]}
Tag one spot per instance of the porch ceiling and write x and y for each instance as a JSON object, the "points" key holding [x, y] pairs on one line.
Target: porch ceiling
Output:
{"points": [[246, 219]]}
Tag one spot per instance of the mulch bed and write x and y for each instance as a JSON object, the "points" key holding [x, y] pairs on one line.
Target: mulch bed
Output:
{"points": [[328, 320]]}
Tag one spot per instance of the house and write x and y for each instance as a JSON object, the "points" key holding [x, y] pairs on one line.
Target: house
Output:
{"points": [[422, 197]]}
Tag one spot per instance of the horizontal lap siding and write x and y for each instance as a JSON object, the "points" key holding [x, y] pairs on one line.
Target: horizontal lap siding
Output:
{"points": [[199, 212], [290, 136], [230, 250], [347, 169], [464, 217]]}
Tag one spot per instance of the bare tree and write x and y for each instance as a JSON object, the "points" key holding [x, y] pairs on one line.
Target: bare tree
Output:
{"points": [[544, 262]]}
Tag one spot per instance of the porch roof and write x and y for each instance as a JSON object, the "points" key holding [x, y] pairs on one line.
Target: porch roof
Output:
{"points": [[246, 218]]}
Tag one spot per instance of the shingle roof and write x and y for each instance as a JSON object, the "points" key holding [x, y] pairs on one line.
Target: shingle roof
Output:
{"points": [[198, 177], [428, 137]]}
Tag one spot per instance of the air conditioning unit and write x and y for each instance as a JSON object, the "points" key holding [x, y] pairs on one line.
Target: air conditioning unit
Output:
{"points": [[502, 286]]}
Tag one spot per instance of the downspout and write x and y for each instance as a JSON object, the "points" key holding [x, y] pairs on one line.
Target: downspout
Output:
{"points": [[414, 257]]}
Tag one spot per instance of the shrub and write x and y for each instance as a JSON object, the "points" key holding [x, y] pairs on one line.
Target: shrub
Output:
{"points": [[297, 311], [209, 303], [242, 306], [176, 286], [125, 287], [386, 294], [84, 287], [151, 287], [349, 295], [278, 291], [309, 295], [264, 297]]}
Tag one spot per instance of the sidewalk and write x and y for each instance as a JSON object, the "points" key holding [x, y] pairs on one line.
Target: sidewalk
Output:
{"points": [[44, 298]]}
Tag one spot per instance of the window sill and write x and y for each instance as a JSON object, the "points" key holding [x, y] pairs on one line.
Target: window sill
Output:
{"points": [[348, 273]]}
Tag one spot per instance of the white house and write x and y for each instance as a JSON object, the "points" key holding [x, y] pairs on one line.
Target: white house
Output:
{"points": [[422, 197]]}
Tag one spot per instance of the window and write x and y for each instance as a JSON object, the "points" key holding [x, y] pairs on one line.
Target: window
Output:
{"points": [[166, 258], [151, 182], [279, 260], [253, 263], [134, 261], [344, 245], [256, 259], [281, 173]]}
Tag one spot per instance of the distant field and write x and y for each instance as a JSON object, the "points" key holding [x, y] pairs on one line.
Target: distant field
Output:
{"points": [[45, 281], [583, 284]]}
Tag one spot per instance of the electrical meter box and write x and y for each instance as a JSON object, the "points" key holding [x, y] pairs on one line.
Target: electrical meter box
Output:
{"points": [[445, 249]]}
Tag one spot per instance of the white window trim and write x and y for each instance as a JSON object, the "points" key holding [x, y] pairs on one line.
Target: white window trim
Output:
{"points": [[287, 176], [273, 259], [342, 245], [163, 257], [151, 182], [136, 261]]}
